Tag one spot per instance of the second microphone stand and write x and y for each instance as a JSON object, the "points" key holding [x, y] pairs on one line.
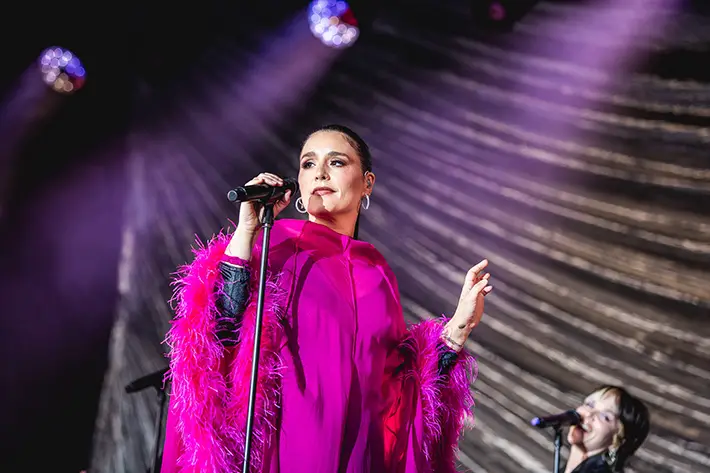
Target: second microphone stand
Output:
{"points": [[558, 447], [154, 380]]}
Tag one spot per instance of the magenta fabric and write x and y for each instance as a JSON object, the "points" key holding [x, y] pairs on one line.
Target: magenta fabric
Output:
{"points": [[235, 260], [344, 386]]}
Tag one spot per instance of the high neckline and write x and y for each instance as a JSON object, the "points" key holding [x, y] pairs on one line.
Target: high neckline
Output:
{"points": [[323, 231], [315, 227], [313, 231]]}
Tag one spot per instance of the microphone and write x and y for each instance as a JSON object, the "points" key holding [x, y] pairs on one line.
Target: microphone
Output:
{"points": [[262, 191], [558, 420], [152, 380]]}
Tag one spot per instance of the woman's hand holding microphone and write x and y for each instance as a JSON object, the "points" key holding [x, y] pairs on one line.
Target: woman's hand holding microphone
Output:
{"points": [[250, 217]]}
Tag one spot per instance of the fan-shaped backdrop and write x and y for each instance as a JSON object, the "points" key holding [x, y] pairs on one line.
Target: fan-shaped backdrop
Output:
{"points": [[571, 152]]}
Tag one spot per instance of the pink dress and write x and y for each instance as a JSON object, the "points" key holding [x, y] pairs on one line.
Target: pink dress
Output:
{"points": [[344, 386]]}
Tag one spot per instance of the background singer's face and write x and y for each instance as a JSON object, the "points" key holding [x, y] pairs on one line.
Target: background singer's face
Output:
{"points": [[331, 178], [600, 422]]}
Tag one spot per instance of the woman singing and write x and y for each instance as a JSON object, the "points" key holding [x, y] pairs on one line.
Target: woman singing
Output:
{"points": [[614, 425], [343, 385]]}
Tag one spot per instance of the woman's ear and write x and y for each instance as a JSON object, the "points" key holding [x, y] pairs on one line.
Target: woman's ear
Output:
{"points": [[369, 180]]}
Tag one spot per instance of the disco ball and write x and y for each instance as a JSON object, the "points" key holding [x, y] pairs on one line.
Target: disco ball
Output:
{"points": [[333, 22], [62, 70]]}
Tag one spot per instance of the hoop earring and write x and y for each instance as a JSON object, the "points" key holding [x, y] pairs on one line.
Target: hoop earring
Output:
{"points": [[299, 206], [366, 205], [611, 456]]}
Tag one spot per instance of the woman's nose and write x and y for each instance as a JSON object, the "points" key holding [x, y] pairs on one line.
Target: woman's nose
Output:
{"points": [[584, 412], [321, 173]]}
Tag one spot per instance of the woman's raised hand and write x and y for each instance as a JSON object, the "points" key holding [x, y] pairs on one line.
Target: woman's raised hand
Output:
{"points": [[470, 309]]}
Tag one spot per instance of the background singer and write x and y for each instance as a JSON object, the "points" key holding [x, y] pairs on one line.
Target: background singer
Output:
{"points": [[344, 386], [614, 425]]}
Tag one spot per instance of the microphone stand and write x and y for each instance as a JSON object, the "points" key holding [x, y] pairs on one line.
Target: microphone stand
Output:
{"points": [[159, 431], [558, 446], [570, 417], [267, 221], [154, 380]]}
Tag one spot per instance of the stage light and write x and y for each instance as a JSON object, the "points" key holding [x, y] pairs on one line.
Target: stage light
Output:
{"points": [[499, 15], [497, 12], [333, 22], [62, 70]]}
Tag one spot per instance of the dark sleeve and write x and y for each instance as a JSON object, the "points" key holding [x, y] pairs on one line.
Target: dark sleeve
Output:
{"points": [[447, 359], [232, 302]]}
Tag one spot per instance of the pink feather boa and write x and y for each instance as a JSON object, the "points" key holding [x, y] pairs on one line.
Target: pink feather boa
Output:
{"points": [[210, 384], [446, 402]]}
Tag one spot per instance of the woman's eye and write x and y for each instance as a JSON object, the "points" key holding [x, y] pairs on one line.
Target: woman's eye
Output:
{"points": [[337, 162], [307, 164]]}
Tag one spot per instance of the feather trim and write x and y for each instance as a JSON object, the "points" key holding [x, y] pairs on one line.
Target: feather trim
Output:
{"points": [[446, 401], [210, 384]]}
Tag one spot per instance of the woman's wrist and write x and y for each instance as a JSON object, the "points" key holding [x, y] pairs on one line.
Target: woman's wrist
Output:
{"points": [[241, 244], [455, 335]]}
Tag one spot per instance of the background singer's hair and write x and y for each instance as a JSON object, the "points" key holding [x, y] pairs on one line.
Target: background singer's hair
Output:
{"points": [[635, 421], [362, 149]]}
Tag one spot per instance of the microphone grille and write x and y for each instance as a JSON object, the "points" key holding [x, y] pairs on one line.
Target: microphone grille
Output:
{"points": [[291, 183]]}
